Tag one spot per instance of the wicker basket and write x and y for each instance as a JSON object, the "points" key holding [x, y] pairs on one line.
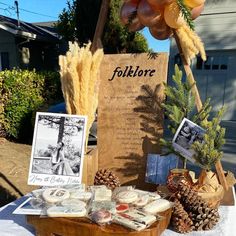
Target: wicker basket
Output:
{"points": [[213, 198]]}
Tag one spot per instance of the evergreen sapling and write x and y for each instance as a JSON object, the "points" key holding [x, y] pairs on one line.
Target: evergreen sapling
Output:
{"points": [[180, 104]]}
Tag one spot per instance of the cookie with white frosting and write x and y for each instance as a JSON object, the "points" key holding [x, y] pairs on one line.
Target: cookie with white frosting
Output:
{"points": [[70, 202], [157, 206], [81, 195], [63, 211], [101, 216], [127, 196], [55, 195]]}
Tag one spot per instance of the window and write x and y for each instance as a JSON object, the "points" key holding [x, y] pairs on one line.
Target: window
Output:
{"points": [[207, 63], [215, 63], [212, 63], [178, 60], [224, 63], [5, 61], [199, 63]]}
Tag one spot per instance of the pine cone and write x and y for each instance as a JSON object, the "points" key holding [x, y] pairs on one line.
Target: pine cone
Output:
{"points": [[203, 216], [106, 177], [180, 219]]}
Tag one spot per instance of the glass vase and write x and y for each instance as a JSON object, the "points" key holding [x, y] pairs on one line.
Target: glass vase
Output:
{"points": [[177, 176]]}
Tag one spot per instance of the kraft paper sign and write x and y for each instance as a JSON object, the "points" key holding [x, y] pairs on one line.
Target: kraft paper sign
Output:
{"points": [[129, 116]]}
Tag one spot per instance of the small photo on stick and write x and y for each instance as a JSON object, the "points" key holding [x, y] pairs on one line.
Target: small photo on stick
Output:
{"points": [[187, 133]]}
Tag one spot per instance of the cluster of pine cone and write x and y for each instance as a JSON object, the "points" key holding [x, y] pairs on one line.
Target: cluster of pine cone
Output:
{"points": [[190, 212], [106, 177]]}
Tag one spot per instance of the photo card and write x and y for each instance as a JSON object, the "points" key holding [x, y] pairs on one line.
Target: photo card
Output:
{"points": [[26, 208], [187, 133], [57, 150]]}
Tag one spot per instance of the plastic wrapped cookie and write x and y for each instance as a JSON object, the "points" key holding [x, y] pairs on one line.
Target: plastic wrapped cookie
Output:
{"points": [[104, 205], [122, 207], [81, 195], [151, 195], [65, 211], [55, 195], [157, 206], [129, 223], [70, 202], [128, 196], [101, 216]]}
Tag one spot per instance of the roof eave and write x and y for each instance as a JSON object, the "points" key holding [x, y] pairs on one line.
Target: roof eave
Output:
{"points": [[18, 32], [26, 35]]}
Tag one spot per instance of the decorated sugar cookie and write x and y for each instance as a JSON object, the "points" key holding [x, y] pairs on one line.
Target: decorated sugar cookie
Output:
{"points": [[122, 207], [54, 195], [70, 202], [127, 196], [157, 206], [62, 211], [101, 216], [81, 195]]}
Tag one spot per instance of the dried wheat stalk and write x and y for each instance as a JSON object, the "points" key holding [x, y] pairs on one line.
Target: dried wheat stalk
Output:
{"points": [[79, 70], [191, 44]]}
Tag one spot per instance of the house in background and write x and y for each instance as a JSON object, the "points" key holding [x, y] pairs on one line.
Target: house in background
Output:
{"points": [[216, 78], [28, 46]]}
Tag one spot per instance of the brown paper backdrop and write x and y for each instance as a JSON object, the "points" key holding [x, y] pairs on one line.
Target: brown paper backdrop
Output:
{"points": [[126, 133]]}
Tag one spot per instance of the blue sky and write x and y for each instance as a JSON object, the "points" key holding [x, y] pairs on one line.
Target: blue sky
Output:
{"points": [[48, 10]]}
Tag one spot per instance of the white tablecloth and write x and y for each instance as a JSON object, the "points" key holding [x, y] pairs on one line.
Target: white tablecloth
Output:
{"points": [[15, 225], [226, 226]]}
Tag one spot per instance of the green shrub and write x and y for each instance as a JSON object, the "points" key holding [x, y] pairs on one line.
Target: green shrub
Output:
{"points": [[2, 102], [23, 92], [52, 86]]}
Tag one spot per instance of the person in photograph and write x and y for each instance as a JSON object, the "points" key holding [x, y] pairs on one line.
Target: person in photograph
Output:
{"points": [[200, 137], [186, 132], [60, 165], [184, 137], [75, 166], [194, 136]]}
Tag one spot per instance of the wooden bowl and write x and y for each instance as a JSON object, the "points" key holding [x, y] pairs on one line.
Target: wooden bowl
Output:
{"points": [[46, 226]]}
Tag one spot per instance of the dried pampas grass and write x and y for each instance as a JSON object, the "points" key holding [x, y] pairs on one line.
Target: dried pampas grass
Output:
{"points": [[79, 71], [191, 44]]}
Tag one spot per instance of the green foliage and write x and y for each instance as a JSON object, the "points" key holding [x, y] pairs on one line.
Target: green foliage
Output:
{"points": [[208, 152], [203, 114], [2, 102], [22, 93], [186, 12], [117, 38], [51, 86], [78, 22], [180, 103], [66, 26], [86, 19]]}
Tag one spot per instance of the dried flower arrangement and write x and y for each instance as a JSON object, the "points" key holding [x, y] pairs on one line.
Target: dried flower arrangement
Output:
{"points": [[79, 70]]}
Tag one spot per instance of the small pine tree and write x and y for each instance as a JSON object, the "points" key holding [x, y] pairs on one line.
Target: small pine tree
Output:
{"points": [[180, 101], [181, 104], [209, 152]]}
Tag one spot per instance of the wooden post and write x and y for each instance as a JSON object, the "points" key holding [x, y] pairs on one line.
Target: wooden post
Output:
{"points": [[190, 77], [100, 25], [221, 175]]}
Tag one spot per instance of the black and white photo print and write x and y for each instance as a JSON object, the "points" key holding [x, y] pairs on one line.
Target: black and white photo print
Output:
{"points": [[187, 133], [58, 149]]}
